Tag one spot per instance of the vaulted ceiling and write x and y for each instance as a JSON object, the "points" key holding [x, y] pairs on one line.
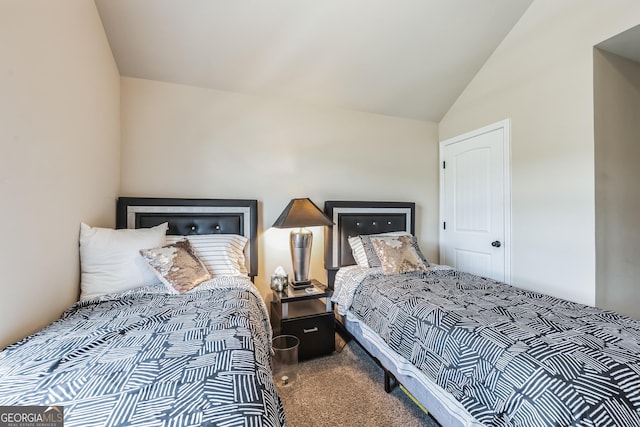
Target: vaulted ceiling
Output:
{"points": [[405, 58], [626, 44]]}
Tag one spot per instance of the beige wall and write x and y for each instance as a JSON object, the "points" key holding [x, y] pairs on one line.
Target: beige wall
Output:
{"points": [[617, 148], [59, 162], [183, 141], [541, 76]]}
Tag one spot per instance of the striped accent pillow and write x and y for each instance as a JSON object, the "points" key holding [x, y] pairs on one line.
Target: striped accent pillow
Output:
{"points": [[222, 254], [357, 249]]}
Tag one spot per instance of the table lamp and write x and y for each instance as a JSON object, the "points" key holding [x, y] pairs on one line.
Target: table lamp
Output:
{"points": [[301, 213]]}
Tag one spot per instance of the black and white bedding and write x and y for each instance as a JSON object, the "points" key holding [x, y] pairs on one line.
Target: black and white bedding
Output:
{"points": [[510, 357], [147, 357]]}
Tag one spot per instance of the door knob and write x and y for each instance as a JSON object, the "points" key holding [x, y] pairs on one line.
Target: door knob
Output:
{"points": [[496, 244]]}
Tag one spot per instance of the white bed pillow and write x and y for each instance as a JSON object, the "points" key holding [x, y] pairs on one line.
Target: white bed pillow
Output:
{"points": [[222, 254], [110, 260]]}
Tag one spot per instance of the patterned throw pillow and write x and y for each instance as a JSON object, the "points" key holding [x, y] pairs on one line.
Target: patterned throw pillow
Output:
{"points": [[370, 252], [398, 255], [177, 266], [372, 257]]}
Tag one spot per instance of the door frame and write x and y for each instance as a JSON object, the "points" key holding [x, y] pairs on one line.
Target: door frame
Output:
{"points": [[506, 126]]}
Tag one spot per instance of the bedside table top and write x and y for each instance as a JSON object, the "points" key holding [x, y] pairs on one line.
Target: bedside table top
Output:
{"points": [[317, 290]]}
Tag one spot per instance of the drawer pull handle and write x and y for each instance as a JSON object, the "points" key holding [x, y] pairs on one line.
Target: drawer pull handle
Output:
{"points": [[308, 331]]}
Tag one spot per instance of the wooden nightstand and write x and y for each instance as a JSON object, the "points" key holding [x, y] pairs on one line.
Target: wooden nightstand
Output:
{"points": [[307, 315]]}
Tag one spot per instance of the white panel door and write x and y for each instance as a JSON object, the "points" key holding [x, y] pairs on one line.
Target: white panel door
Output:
{"points": [[475, 202]]}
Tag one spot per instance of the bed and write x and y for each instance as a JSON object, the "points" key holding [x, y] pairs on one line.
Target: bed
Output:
{"points": [[474, 351], [160, 353]]}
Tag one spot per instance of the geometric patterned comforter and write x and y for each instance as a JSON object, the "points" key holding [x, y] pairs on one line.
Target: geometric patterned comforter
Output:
{"points": [[148, 358], [510, 356]]}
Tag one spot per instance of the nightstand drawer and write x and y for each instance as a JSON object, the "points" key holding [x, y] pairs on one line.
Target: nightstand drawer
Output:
{"points": [[316, 334]]}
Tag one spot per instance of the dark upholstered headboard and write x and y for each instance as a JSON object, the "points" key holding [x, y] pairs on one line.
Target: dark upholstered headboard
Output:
{"points": [[356, 218], [195, 216]]}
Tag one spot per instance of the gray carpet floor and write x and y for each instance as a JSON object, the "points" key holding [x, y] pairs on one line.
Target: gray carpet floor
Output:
{"points": [[347, 389]]}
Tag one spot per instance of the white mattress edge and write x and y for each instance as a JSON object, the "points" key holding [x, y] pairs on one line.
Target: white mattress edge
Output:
{"points": [[440, 403]]}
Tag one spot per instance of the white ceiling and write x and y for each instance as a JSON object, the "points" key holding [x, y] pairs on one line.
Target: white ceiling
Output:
{"points": [[406, 58]]}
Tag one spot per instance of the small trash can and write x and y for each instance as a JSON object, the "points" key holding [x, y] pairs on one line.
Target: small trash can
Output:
{"points": [[285, 359]]}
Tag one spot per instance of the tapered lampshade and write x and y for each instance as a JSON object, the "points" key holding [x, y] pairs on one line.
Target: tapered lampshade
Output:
{"points": [[301, 213]]}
